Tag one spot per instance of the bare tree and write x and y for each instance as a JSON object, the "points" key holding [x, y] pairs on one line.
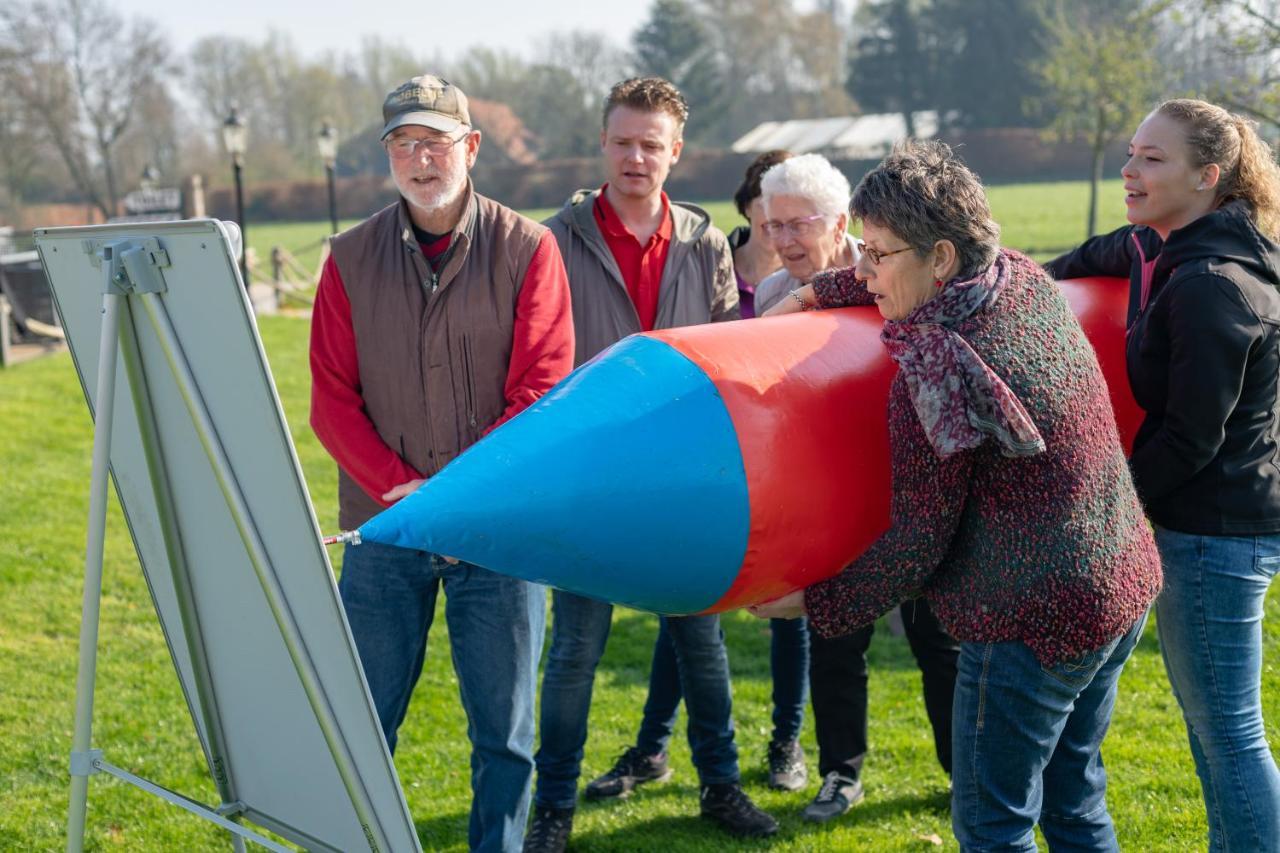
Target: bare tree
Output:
{"points": [[1247, 56], [284, 97], [81, 71], [593, 61], [1100, 76], [381, 66], [21, 151]]}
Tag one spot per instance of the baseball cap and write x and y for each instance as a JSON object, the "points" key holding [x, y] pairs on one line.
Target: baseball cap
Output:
{"points": [[428, 101]]}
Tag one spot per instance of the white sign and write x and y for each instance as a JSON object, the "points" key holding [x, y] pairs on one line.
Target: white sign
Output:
{"points": [[158, 200]]}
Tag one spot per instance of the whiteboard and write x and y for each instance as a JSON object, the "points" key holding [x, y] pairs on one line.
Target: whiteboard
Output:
{"points": [[263, 734]]}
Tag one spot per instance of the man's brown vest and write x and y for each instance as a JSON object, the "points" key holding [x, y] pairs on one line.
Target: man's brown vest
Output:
{"points": [[433, 348]]}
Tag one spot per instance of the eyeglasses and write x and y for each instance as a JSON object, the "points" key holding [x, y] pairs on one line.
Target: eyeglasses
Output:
{"points": [[404, 147], [876, 255], [795, 227]]}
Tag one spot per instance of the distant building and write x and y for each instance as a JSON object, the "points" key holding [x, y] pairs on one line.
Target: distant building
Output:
{"points": [[865, 137]]}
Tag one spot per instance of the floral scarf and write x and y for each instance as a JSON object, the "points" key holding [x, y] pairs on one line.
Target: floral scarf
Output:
{"points": [[958, 398]]}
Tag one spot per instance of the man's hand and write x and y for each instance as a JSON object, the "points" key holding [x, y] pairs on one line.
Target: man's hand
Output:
{"points": [[790, 606], [401, 490], [407, 489]]}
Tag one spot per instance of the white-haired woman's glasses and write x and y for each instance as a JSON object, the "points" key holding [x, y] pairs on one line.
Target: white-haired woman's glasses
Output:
{"points": [[798, 227]]}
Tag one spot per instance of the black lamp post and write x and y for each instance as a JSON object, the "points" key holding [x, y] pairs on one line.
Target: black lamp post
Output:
{"points": [[235, 137], [150, 177], [327, 144]]}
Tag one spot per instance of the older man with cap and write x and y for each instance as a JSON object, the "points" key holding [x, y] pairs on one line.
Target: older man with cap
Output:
{"points": [[437, 319]]}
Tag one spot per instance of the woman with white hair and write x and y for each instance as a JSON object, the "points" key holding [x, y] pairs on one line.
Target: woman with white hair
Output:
{"points": [[806, 205], [806, 202]]}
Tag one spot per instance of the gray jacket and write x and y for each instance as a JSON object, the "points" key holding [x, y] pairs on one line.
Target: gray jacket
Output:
{"points": [[776, 285], [697, 282]]}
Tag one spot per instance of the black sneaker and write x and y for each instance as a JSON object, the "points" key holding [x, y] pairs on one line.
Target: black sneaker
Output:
{"points": [[631, 769], [837, 795], [787, 771], [728, 805], [550, 830]]}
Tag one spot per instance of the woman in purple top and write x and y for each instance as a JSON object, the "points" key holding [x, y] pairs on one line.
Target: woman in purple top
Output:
{"points": [[1013, 512], [754, 257]]}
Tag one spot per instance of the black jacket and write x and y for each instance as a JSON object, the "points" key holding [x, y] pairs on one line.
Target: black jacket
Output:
{"points": [[1204, 364]]}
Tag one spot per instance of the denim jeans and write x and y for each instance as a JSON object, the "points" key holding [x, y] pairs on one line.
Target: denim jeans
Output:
{"points": [[1210, 621], [1027, 746], [838, 677], [702, 664], [788, 665], [579, 629], [496, 626]]}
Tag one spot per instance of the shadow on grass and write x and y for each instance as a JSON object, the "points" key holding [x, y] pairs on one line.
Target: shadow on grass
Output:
{"points": [[443, 830], [629, 652], [668, 832]]}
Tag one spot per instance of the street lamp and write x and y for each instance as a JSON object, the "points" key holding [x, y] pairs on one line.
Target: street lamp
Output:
{"points": [[150, 177], [327, 144], [235, 138]]}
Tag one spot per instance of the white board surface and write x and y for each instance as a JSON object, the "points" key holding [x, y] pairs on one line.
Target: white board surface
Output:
{"points": [[236, 671]]}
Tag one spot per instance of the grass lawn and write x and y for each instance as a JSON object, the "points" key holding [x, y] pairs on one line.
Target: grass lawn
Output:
{"points": [[1044, 219], [142, 723]]}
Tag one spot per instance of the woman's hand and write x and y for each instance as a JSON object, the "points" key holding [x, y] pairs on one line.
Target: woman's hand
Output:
{"points": [[792, 302], [790, 606]]}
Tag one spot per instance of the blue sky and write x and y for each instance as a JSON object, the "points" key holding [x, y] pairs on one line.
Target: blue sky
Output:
{"points": [[427, 26]]}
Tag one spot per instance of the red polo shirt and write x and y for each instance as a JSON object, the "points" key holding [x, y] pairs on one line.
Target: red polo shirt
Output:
{"points": [[641, 265]]}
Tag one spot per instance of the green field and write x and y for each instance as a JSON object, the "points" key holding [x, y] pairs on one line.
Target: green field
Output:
{"points": [[1044, 219], [142, 723]]}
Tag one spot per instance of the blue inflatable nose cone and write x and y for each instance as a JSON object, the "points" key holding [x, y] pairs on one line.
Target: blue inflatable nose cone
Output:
{"points": [[625, 482]]}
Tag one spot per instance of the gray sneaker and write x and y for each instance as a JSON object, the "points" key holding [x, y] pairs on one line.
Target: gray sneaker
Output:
{"points": [[632, 768], [837, 795], [787, 771]]}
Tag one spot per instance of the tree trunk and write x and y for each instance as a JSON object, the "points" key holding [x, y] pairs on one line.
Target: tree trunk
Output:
{"points": [[1099, 149], [109, 174], [909, 118]]}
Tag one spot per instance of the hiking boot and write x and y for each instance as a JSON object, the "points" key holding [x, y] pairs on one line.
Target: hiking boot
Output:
{"points": [[837, 795], [550, 830], [728, 805], [631, 769], [786, 766]]}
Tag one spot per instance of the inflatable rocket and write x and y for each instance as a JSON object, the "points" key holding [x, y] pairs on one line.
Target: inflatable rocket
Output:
{"points": [[699, 469]]}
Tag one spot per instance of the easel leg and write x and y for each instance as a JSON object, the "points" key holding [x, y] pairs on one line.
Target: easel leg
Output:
{"points": [[98, 482]]}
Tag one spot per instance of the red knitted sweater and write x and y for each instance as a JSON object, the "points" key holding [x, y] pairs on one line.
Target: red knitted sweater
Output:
{"points": [[1051, 550]]}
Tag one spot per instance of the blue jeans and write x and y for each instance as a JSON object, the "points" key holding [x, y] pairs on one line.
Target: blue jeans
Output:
{"points": [[788, 664], [579, 629], [496, 626], [1027, 746], [1210, 621]]}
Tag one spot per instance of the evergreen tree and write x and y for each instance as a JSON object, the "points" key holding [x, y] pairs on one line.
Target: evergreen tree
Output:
{"points": [[673, 43], [989, 65], [893, 65]]}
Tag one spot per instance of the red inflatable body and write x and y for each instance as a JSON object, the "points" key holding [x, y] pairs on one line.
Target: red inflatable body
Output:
{"points": [[808, 401], [700, 469]]}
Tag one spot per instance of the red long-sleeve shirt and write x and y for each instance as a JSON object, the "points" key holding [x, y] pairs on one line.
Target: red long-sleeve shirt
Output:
{"points": [[541, 355]]}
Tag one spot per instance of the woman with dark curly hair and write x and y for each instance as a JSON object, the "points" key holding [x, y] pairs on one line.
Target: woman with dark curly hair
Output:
{"points": [[1013, 512], [1203, 194]]}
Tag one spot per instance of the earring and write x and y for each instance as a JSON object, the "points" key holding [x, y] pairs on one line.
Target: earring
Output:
{"points": [[937, 283]]}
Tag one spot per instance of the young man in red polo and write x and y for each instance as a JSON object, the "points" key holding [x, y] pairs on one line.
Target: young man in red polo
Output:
{"points": [[638, 261]]}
